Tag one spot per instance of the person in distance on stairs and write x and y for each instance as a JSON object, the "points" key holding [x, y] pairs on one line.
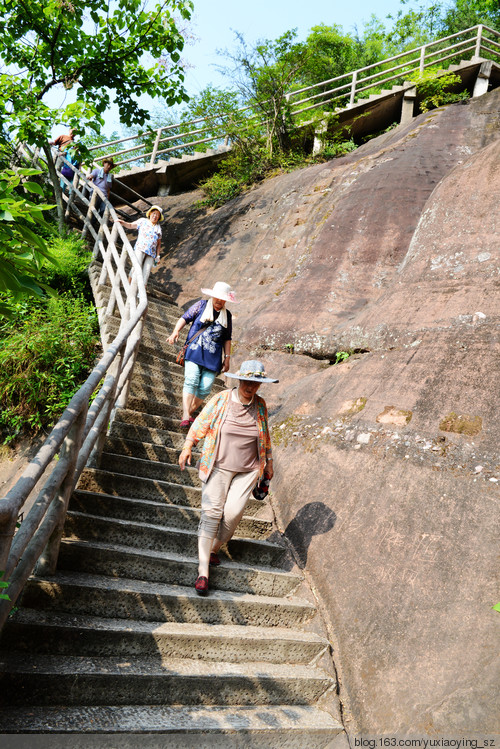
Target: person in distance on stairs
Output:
{"points": [[102, 179], [147, 247], [236, 453], [209, 346]]}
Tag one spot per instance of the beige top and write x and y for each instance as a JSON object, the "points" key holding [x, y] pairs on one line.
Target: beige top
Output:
{"points": [[238, 448]]}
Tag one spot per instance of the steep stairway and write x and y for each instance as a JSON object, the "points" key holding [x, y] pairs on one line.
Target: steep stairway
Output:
{"points": [[118, 641]]}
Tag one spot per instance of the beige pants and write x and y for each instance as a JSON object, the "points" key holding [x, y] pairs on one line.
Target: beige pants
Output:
{"points": [[223, 500], [146, 262]]}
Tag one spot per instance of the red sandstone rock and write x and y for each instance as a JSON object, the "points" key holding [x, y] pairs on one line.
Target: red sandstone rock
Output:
{"points": [[394, 250]]}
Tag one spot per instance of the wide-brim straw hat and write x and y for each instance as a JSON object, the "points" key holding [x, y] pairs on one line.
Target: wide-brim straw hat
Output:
{"points": [[155, 208], [221, 290], [251, 371], [109, 161]]}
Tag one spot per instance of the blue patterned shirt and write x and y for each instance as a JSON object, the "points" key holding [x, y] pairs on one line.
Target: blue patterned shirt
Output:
{"points": [[206, 350]]}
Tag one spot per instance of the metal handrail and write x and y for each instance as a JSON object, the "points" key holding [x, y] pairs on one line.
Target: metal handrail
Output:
{"points": [[78, 437], [354, 84]]}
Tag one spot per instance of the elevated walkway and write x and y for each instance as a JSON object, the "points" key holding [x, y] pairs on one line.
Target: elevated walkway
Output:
{"points": [[171, 176], [365, 117], [400, 103]]}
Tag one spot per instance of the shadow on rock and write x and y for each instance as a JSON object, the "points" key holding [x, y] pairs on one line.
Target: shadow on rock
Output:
{"points": [[311, 520]]}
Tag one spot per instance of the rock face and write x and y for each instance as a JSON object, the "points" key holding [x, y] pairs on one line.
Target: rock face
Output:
{"points": [[387, 467]]}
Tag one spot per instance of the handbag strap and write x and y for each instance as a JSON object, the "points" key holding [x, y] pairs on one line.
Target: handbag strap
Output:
{"points": [[203, 327]]}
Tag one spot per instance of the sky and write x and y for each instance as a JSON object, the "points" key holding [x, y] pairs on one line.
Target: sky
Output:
{"points": [[215, 21]]}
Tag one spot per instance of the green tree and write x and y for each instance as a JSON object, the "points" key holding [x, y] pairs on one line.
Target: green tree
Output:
{"points": [[98, 48], [264, 75], [466, 13], [331, 53]]}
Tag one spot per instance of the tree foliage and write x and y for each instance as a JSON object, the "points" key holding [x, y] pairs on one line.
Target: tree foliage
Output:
{"points": [[264, 75], [101, 50], [23, 249], [96, 47]]}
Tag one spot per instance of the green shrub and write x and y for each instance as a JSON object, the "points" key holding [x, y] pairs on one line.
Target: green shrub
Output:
{"points": [[220, 188], [333, 149], [43, 363], [432, 85], [73, 258]]}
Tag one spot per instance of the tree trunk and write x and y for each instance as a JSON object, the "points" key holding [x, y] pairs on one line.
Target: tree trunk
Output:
{"points": [[57, 189]]}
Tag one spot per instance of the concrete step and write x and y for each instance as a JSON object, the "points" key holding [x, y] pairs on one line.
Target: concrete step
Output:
{"points": [[155, 303], [145, 600], [160, 385], [203, 727], [148, 536], [157, 408], [158, 313], [136, 433], [116, 560], [130, 416], [133, 487], [148, 351], [72, 680], [161, 359], [156, 329], [158, 397], [49, 632], [159, 391], [159, 376], [94, 479], [143, 450], [147, 511], [155, 291], [170, 472]]}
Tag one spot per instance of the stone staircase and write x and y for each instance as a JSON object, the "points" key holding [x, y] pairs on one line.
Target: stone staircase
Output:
{"points": [[118, 641]]}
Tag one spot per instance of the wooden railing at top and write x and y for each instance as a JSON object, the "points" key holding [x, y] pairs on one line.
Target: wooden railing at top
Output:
{"points": [[78, 437], [478, 39]]}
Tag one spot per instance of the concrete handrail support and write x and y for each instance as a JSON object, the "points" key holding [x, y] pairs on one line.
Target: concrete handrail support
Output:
{"points": [[77, 438]]}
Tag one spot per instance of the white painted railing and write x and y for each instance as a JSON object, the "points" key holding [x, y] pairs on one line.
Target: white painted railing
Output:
{"points": [[42, 493], [349, 89]]}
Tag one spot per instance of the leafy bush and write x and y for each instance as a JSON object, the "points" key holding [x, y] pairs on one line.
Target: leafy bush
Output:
{"points": [[432, 85], [73, 258], [333, 149], [219, 188], [43, 363], [22, 246]]}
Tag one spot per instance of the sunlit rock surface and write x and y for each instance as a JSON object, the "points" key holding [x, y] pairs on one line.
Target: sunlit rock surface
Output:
{"points": [[387, 465]]}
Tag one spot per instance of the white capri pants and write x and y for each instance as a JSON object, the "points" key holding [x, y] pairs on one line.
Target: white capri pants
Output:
{"points": [[223, 500], [146, 262]]}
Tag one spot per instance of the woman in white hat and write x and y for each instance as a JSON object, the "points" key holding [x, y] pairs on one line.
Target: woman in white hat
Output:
{"points": [[236, 454], [209, 346], [147, 247]]}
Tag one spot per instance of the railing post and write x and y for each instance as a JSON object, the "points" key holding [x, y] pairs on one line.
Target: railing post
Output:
{"points": [[103, 222], [90, 213], [422, 59], [7, 529], [479, 40], [71, 196], [104, 418], [133, 342], [156, 146], [353, 88], [71, 446]]}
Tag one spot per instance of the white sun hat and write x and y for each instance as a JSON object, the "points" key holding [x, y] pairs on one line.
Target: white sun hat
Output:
{"points": [[221, 290]]}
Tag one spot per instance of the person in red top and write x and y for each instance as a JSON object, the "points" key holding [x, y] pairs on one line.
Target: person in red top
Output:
{"points": [[63, 141]]}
